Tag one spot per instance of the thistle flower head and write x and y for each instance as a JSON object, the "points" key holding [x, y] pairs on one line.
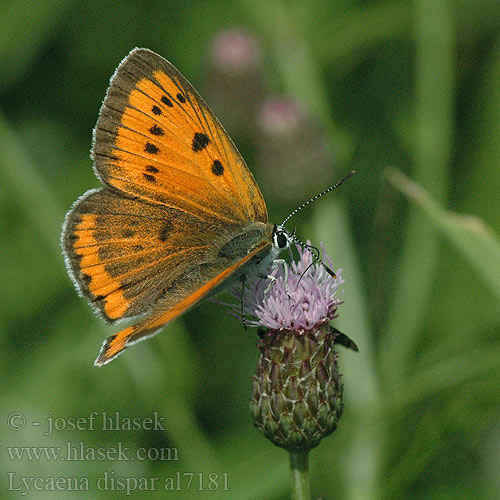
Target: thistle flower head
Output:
{"points": [[303, 295], [297, 393]]}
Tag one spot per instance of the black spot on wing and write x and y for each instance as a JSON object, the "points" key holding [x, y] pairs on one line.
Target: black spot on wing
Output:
{"points": [[165, 100], [149, 178], [156, 110], [181, 98], [86, 279], [217, 168], [200, 142], [151, 168], [165, 231], [155, 130], [151, 148]]}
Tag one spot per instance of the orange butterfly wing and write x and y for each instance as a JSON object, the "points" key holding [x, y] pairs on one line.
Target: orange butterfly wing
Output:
{"points": [[114, 345], [182, 212], [125, 254], [158, 140]]}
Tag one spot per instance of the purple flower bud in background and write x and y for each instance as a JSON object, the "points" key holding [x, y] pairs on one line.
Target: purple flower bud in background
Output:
{"points": [[234, 86], [292, 153], [234, 51]]}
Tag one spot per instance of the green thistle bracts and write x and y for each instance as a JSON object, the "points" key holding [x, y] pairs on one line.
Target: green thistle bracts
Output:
{"points": [[297, 394]]}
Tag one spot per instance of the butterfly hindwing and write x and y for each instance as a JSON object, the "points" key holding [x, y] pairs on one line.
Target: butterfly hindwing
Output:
{"points": [[162, 315], [157, 139], [124, 254]]}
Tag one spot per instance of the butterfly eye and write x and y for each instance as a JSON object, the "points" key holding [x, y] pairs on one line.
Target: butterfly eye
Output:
{"points": [[281, 237], [281, 240]]}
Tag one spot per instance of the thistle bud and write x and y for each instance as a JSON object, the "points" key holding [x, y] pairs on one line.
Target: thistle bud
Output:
{"points": [[297, 394], [235, 83], [292, 151]]}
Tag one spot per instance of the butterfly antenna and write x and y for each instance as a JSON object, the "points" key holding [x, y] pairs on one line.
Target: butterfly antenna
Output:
{"points": [[314, 250], [314, 198]]}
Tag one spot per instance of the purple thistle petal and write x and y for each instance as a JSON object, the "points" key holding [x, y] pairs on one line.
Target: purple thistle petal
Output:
{"points": [[311, 300]]}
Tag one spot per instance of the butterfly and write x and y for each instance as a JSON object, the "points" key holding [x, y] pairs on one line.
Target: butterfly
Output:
{"points": [[180, 216]]}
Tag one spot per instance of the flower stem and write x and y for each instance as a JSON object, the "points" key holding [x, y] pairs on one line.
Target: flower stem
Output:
{"points": [[299, 468]]}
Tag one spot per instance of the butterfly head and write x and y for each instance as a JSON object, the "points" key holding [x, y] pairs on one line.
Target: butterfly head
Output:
{"points": [[282, 239]]}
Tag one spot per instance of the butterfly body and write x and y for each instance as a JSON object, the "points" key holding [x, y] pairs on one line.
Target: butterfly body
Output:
{"points": [[180, 216]]}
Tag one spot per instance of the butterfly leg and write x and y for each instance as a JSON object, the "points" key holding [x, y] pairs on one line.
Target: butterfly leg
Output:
{"points": [[242, 298], [272, 279]]}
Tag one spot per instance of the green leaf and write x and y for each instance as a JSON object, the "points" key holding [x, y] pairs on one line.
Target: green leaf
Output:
{"points": [[431, 145], [469, 234]]}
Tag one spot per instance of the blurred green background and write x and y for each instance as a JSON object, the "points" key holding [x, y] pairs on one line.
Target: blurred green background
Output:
{"points": [[308, 90]]}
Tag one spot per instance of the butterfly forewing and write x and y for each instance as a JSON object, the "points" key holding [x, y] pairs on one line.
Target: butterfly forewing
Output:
{"points": [[157, 139]]}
